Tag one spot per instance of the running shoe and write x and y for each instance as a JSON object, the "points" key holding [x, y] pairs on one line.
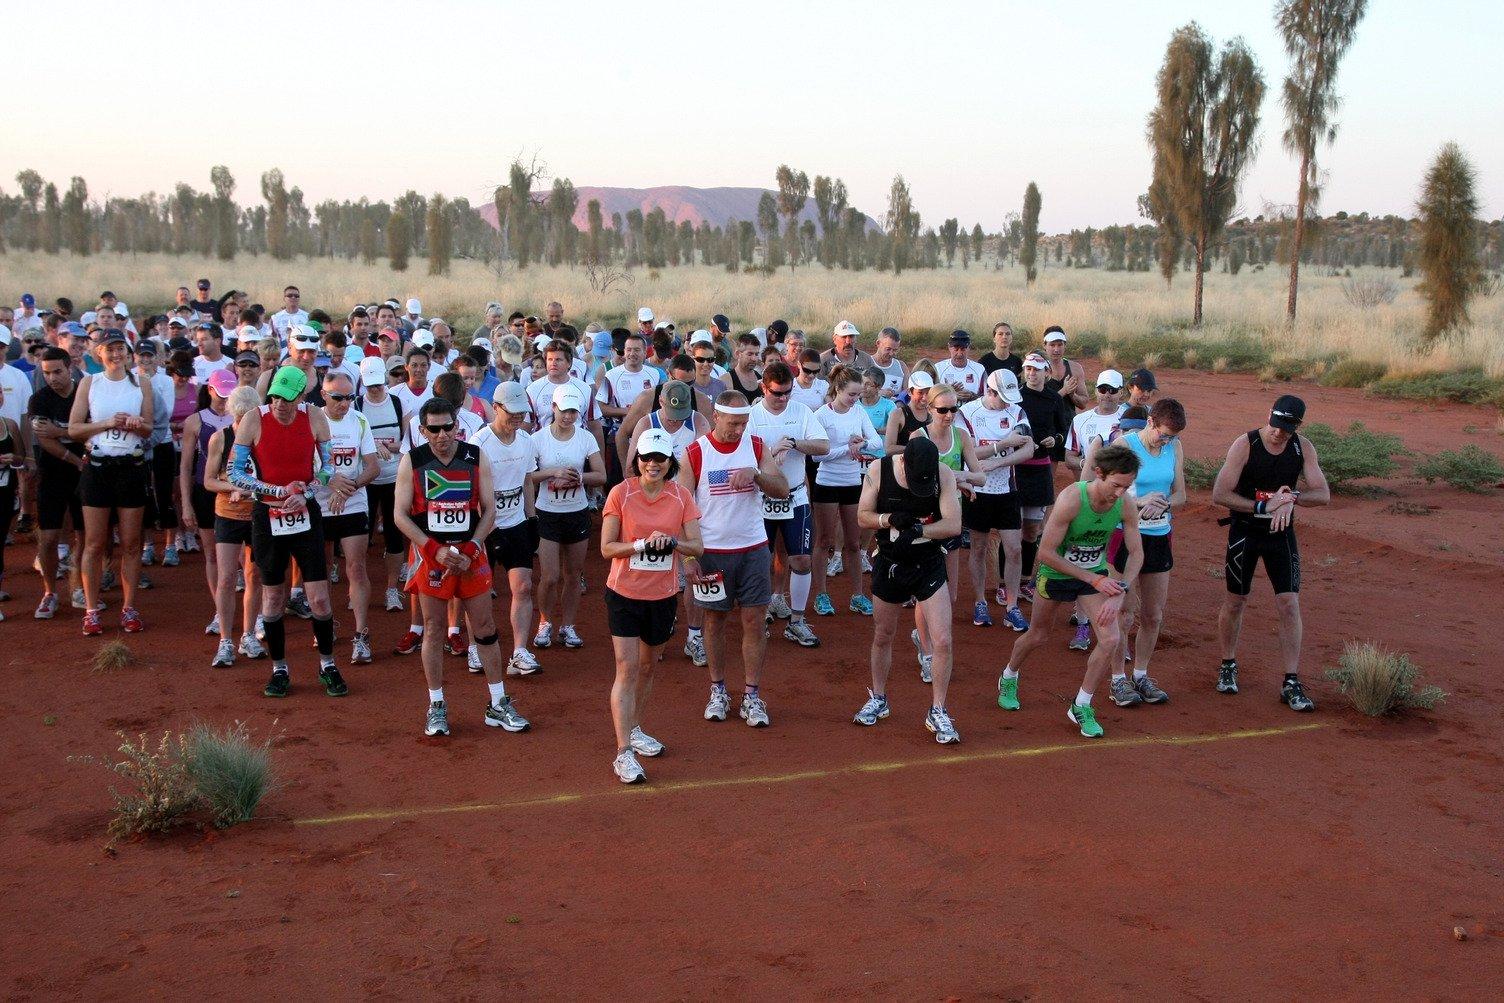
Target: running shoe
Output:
{"points": [[188, 543], [834, 565], [980, 617], [522, 663], [260, 627], [107, 580], [92, 626], [694, 649], [403, 574], [393, 600], [1007, 693], [239, 579], [800, 633], [570, 636], [584, 587], [1014, 618], [1001, 597], [334, 573], [455, 643], [472, 661], [224, 656], [47, 608], [754, 711], [437, 722], [1124, 693], [719, 705], [1149, 690], [213, 627], [926, 660], [644, 744], [79, 602], [1294, 694], [778, 609], [360, 648], [823, 605], [1081, 640], [866, 563], [1227, 677], [148, 555], [411, 642], [503, 715], [545, 636], [1026, 593], [939, 722], [334, 683], [1075, 620], [873, 711], [142, 582], [250, 647], [170, 558], [279, 685], [860, 604], [297, 605], [24, 524], [628, 770], [1085, 716], [130, 621]]}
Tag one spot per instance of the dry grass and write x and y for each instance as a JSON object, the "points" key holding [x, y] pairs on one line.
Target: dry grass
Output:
{"points": [[113, 655], [1379, 681], [1116, 305]]}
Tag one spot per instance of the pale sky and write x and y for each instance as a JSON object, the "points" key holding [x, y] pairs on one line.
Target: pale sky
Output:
{"points": [[970, 101]]}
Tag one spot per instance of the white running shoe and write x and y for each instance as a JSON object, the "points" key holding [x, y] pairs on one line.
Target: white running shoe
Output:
{"points": [[644, 744], [260, 627], [799, 632], [694, 650], [866, 563], [570, 637], [213, 627], [939, 722], [393, 600], [926, 661], [523, 663], [754, 712], [834, 565], [719, 705], [628, 769], [472, 660], [778, 609], [250, 647], [224, 657], [545, 636], [360, 648]]}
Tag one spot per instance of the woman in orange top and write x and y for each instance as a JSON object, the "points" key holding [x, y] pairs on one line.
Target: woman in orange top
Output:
{"points": [[648, 518]]}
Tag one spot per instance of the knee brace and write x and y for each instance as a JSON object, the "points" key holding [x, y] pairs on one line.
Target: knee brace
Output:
{"points": [[488, 640]]}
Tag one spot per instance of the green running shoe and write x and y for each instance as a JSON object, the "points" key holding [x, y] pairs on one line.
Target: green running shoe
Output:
{"points": [[279, 685], [1086, 717], [334, 683], [1007, 693]]}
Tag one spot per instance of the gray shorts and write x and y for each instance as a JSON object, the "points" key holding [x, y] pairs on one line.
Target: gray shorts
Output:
{"points": [[748, 575]]}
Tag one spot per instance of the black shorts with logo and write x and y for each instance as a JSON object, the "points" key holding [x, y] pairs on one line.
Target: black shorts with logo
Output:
{"points": [[515, 547], [985, 512], [115, 482], [919, 575], [564, 527], [1247, 545], [342, 527], [272, 554]]}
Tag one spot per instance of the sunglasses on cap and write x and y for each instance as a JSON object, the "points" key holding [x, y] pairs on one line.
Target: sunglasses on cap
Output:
{"points": [[438, 429]]}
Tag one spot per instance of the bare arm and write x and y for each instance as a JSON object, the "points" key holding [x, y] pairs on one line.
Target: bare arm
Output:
{"points": [[770, 475], [890, 433], [1316, 490], [1224, 490]]}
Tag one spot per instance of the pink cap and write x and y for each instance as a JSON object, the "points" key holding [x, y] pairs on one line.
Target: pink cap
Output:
{"points": [[223, 382]]}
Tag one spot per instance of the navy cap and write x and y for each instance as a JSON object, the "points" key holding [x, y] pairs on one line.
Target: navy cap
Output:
{"points": [[113, 336], [959, 337], [1143, 379], [722, 324], [1288, 412]]}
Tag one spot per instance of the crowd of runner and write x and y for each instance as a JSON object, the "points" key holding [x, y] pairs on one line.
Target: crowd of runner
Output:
{"points": [[721, 475]]}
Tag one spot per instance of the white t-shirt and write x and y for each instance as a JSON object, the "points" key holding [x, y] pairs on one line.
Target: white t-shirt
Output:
{"points": [[837, 468], [986, 427], [203, 368], [813, 397], [570, 454], [351, 370], [796, 422], [385, 429], [1090, 425], [620, 386], [282, 320], [411, 402], [510, 465], [971, 378], [350, 441], [541, 393], [17, 392]]}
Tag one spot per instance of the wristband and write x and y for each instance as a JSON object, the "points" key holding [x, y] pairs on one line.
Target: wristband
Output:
{"points": [[471, 550], [638, 546], [431, 550], [1260, 507]]}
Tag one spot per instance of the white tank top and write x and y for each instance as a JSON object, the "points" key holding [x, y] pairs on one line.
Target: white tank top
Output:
{"points": [[730, 518], [680, 438], [892, 375], [108, 398]]}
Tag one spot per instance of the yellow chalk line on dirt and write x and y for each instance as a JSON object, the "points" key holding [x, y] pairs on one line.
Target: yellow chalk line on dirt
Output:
{"points": [[676, 786]]}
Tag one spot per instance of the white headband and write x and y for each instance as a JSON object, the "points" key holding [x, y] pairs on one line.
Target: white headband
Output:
{"points": [[728, 409]]}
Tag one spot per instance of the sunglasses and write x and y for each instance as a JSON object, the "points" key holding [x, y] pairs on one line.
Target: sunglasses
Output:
{"points": [[810, 372], [946, 410], [652, 457], [780, 393], [247, 365], [704, 360], [438, 429], [1104, 389], [345, 397], [292, 296]]}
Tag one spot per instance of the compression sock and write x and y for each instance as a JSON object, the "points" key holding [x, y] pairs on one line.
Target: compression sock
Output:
{"points": [[323, 636], [799, 591], [276, 637], [1030, 550]]}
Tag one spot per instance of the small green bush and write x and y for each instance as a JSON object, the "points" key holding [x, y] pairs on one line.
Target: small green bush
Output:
{"points": [[230, 772], [1087, 343], [162, 793], [1378, 681], [1353, 456], [1353, 373], [1463, 386], [1468, 468], [1200, 474]]}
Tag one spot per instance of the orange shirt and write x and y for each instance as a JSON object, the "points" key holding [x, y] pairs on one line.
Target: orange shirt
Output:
{"points": [[640, 518]]}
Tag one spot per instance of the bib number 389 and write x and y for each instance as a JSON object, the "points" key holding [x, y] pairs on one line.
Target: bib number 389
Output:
{"points": [[448, 517]]}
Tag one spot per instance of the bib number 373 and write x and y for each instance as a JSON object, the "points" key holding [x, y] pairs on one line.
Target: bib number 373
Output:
{"points": [[290, 523]]}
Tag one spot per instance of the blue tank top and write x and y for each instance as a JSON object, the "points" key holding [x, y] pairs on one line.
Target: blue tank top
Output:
{"points": [[1155, 473]]}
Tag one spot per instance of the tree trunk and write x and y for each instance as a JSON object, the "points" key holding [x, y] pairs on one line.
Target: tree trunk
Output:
{"points": [[1300, 232], [1200, 274]]}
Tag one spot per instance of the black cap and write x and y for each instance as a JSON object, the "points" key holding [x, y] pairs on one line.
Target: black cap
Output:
{"points": [[722, 324], [203, 283], [780, 328], [1143, 379], [959, 337], [112, 336], [1289, 411], [921, 467], [146, 346], [180, 344]]}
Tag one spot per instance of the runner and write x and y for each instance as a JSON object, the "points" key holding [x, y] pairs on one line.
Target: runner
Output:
{"points": [[743, 376], [1003, 440], [1158, 488], [1035, 477], [885, 357], [648, 518], [838, 485], [1089, 430], [960, 370], [681, 370], [197, 501], [353, 463], [809, 389], [1259, 486], [112, 413], [843, 351], [729, 471], [786, 425], [1067, 378], [289, 443], [1002, 355], [513, 541], [569, 464], [912, 415], [232, 540], [445, 485], [15, 456], [59, 465], [384, 412], [912, 502], [1073, 555], [619, 389]]}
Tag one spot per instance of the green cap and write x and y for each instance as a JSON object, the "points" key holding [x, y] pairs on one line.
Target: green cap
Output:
{"points": [[289, 383], [677, 401]]}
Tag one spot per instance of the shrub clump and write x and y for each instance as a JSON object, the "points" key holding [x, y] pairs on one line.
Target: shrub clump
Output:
{"points": [[1378, 681], [1356, 455], [1468, 468], [162, 793], [1353, 373], [1462, 386], [1200, 474], [230, 772]]}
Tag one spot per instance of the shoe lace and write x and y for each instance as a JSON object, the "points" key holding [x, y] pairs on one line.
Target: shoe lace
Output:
{"points": [[1295, 689]]}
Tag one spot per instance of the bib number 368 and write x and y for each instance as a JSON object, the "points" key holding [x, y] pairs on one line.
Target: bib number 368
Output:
{"points": [[777, 508]]}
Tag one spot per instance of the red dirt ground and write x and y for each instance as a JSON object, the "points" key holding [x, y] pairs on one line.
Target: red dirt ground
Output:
{"points": [[1332, 862]]}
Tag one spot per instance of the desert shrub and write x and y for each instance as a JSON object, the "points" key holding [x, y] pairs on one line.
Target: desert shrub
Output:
{"points": [[1355, 455], [113, 655], [1468, 468], [161, 794], [230, 772], [1365, 294], [1087, 343], [1353, 373], [1378, 681], [1201, 474], [1286, 368], [1464, 386], [1168, 346]]}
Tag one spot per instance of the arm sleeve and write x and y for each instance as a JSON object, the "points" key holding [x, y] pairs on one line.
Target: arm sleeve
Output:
{"points": [[242, 478]]}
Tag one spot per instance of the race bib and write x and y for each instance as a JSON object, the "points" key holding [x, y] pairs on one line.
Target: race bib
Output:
{"points": [[390, 445], [655, 561], [777, 508], [1084, 557], [1157, 522], [507, 501], [343, 459], [289, 523], [448, 517], [563, 491], [712, 589]]}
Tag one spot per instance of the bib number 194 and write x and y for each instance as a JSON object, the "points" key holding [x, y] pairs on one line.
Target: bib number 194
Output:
{"points": [[290, 523]]}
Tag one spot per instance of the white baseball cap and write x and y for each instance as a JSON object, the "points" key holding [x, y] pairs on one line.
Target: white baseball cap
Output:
{"points": [[302, 337], [512, 397], [568, 398], [481, 343], [88, 317], [846, 329], [1110, 378], [373, 371], [1005, 384], [702, 337], [423, 339], [541, 342], [1032, 361], [644, 315], [4, 335], [1055, 336], [121, 310], [413, 306], [656, 440], [921, 380], [248, 332]]}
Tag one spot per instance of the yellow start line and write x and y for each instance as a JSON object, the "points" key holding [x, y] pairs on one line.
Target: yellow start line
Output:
{"points": [[674, 787]]}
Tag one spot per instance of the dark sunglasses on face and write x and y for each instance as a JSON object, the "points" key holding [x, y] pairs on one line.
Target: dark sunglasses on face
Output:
{"points": [[780, 393], [1107, 390], [810, 372], [345, 397], [946, 410], [704, 360], [652, 457], [437, 429]]}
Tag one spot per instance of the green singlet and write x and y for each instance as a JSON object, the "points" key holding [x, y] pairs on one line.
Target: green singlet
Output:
{"points": [[954, 456], [1085, 543]]}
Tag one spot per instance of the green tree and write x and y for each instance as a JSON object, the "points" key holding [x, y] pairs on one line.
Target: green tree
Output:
{"points": [[950, 232], [594, 247], [793, 190], [563, 200], [1317, 35], [398, 240], [75, 218], [1029, 249], [440, 229], [978, 238], [274, 191], [52, 220], [31, 208], [767, 222], [903, 224], [226, 216], [368, 245], [1448, 256], [1202, 133]]}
